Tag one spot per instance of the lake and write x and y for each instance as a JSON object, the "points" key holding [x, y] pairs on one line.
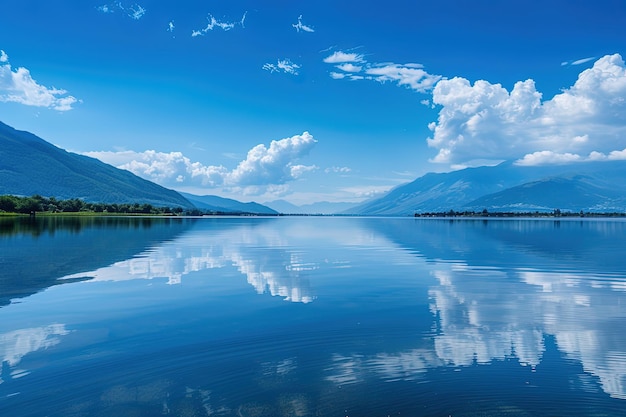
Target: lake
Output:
{"points": [[312, 316]]}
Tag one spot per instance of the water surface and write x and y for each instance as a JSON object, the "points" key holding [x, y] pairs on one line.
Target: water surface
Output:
{"points": [[312, 317]]}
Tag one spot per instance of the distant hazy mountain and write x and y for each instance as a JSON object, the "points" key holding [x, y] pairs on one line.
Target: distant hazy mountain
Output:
{"points": [[322, 207], [29, 165], [594, 186], [227, 205]]}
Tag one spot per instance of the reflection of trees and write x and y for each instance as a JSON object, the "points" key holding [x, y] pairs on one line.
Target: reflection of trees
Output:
{"points": [[35, 252]]}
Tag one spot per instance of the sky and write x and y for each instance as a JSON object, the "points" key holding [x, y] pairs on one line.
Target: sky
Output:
{"points": [[316, 100]]}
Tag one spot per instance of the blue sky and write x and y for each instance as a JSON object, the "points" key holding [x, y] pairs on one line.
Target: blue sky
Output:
{"points": [[315, 100]]}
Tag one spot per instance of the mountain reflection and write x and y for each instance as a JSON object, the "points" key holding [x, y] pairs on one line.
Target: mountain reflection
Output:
{"points": [[485, 311], [254, 250], [35, 252]]}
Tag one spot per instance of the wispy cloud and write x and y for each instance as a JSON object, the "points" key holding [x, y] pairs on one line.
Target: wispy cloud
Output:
{"points": [[284, 66], [263, 166], [134, 11], [338, 170], [578, 61], [302, 27], [353, 66], [339, 57], [171, 27], [214, 23], [18, 86]]}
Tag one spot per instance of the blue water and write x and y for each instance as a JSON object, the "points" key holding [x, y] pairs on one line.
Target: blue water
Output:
{"points": [[307, 316]]}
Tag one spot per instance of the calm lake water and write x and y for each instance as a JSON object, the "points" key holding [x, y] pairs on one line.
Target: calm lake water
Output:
{"points": [[312, 317]]}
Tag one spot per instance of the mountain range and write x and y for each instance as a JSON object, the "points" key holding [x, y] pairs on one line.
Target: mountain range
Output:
{"points": [[586, 186], [29, 165], [226, 205], [321, 207]]}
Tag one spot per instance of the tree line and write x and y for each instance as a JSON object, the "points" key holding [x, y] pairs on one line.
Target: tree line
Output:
{"points": [[37, 203], [486, 213]]}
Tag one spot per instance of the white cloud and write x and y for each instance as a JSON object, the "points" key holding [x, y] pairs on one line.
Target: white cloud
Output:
{"points": [[170, 26], [339, 57], [578, 61], [548, 158], [486, 121], [271, 165], [263, 166], [338, 170], [302, 27], [298, 171], [554, 158], [214, 23], [349, 67], [282, 65], [409, 75], [104, 9], [18, 86], [134, 11]]}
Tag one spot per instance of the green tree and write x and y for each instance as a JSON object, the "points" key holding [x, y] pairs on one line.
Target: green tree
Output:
{"points": [[8, 203]]}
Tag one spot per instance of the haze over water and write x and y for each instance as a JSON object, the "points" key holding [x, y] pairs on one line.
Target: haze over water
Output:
{"points": [[311, 316]]}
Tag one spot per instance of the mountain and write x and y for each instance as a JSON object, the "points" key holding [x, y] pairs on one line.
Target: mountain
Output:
{"points": [[589, 193], [322, 207], [29, 165], [227, 205], [592, 186]]}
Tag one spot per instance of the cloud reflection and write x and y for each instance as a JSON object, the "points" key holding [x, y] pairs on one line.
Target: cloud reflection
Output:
{"points": [[16, 344], [496, 315], [272, 270], [488, 305]]}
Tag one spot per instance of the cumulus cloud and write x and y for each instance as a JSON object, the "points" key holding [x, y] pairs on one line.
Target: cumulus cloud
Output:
{"points": [[554, 158], [284, 66], [134, 11], [548, 158], [18, 86], [482, 121], [486, 121], [263, 166], [302, 27], [354, 67], [214, 23]]}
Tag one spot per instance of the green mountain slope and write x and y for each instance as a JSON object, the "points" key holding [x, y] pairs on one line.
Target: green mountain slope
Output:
{"points": [[29, 165], [227, 205]]}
